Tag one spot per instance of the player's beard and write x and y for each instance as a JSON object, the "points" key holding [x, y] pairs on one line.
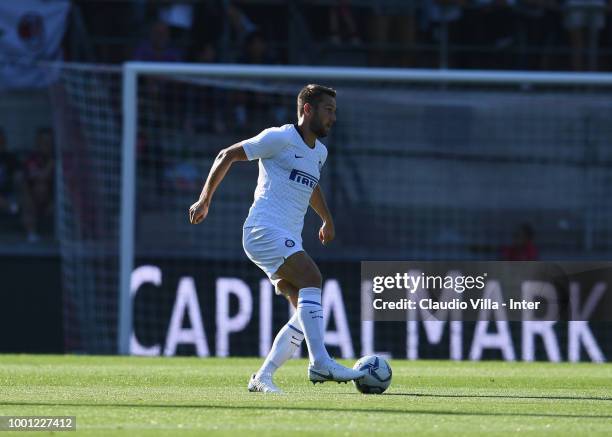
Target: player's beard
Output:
{"points": [[318, 128]]}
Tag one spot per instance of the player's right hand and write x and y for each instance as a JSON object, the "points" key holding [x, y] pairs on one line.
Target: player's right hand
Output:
{"points": [[198, 212]]}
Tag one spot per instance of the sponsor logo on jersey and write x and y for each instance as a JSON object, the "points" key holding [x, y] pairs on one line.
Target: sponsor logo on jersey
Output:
{"points": [[289, 243], [301, 177]]}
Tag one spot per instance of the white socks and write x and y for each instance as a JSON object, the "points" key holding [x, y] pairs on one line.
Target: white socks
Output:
{"points": [[310, 313], [287, 341], [306, 322]]}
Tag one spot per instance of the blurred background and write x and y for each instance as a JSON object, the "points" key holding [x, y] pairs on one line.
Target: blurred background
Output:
{"points": [[427, 170]]}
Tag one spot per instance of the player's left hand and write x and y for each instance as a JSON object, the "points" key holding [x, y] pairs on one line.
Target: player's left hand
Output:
{"points": [[198, 212], [327, 232]]}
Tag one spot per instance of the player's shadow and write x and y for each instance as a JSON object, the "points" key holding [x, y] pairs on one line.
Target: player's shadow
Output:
{"points": [[555, 398], [268, 407]]}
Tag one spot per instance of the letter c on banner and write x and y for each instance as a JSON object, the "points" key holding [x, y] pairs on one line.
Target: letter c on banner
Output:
{"points": [[143, 275]]}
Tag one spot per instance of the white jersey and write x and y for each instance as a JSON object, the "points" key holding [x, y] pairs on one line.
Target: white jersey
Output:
{"points": [[289, 171]]}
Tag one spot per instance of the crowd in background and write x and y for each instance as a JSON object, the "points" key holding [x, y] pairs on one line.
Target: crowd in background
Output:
{"points": [[475, 34], [27, 186]]}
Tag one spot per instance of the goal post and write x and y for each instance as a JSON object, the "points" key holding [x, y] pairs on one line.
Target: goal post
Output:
{"points": [[448, 143], [128, 205]]}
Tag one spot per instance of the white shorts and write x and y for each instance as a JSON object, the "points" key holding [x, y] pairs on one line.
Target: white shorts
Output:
{"points": [[269, 247]]}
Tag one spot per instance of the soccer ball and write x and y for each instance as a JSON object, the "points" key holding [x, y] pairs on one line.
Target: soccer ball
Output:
{"points": [[377, 377]]}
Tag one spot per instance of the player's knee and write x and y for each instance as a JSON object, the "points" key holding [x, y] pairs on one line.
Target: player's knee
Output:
{"points": [[285, 287], [292, 296], [312, 279]]}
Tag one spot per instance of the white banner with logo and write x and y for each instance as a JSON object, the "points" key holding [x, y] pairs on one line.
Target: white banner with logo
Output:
{"points": [[31, 31]]}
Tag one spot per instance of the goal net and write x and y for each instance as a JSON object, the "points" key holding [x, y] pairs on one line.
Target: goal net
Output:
{"points": [[422, 166]]}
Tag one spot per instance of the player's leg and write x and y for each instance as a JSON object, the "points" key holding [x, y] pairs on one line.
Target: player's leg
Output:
{"points": [[267, 249], [288, 339], [288, 290], [275, 251], [301, 271]]}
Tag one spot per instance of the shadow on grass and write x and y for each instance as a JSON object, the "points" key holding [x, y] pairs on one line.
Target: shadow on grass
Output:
{"points": [[310, 409], [553, 398]]}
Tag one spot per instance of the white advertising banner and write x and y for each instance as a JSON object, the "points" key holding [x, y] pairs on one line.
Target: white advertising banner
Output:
{"points": [[230, 317]]}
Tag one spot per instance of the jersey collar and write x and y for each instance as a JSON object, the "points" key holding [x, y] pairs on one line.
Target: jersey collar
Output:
{"points": [[295, 126]]}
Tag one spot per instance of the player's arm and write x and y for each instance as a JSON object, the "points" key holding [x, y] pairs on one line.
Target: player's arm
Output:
{"points": [[226, 157], [318, 203]]}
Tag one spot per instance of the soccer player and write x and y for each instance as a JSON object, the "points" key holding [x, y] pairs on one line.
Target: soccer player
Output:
{"points": [[290, 161]]}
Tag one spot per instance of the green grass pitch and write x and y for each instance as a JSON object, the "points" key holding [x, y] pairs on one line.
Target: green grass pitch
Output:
{"points": [[162, 396]]}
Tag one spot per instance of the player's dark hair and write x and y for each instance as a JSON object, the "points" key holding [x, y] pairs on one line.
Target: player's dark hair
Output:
{"points": [[312, 94]]}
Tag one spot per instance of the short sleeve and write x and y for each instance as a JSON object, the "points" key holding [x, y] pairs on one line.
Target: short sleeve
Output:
{"points": [[265, 145], [323, 155]]}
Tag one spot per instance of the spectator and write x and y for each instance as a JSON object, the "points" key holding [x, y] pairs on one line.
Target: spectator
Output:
{"points": [[157, 47], [165, 95], [539, 27], [341, 13], [178, 15], [523, 247], [208, 22], [206, 53], [584, 19], [9, 177], [206, 105], [256, 51], [444, 16], [38, 184], [252, 108], [498, 33], [392, 28], [241, 26]]}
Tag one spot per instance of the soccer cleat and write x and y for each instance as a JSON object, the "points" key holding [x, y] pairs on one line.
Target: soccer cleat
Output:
{"points": [[263, 384], [333, 371]]}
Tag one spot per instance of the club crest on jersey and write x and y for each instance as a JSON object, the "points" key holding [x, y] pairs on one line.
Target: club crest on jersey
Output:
{"points": [[289, 243], [301, 177]]}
